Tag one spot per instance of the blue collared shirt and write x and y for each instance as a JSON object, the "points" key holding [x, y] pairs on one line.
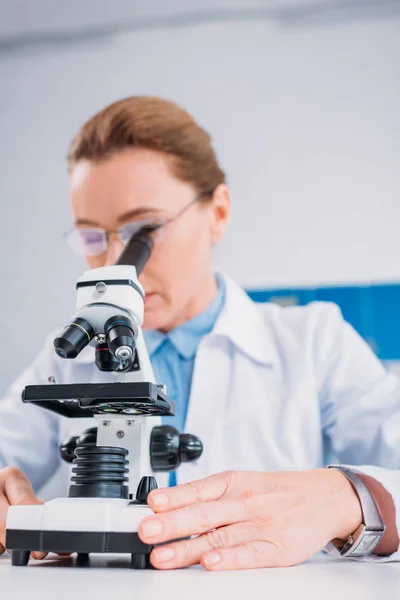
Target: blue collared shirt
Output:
{"points": [[172, 356]]}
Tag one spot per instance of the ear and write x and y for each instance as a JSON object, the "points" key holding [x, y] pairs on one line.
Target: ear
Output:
{"points": [[220, 212]]}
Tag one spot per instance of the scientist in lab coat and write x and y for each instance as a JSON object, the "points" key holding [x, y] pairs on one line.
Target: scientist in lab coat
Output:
{"points": [[272, 392]]}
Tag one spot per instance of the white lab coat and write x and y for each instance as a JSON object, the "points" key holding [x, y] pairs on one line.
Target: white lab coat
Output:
{"points": [[273, 389]]}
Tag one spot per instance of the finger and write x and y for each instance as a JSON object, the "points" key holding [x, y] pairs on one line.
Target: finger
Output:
{"points": [[252, 555], [189, 552], [19, 490], [191, 520], [39, 555], [236, 484], [201, 490], [2, 549], [3, 517]]}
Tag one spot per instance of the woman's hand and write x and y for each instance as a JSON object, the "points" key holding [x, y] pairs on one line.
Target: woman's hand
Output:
{"points": [[15, 489], [246, 520]]}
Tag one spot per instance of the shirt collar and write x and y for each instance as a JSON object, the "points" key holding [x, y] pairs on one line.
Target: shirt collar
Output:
{"points": [[153, 339]]}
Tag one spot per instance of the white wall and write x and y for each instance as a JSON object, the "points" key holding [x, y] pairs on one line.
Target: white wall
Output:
{"points": [[305, 120]]}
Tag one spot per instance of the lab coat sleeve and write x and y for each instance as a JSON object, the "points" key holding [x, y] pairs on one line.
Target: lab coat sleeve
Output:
{"points": [[29, 434], [360, 405]]}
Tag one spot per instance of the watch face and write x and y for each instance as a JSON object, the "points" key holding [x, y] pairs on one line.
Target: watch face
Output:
{"points": [[362, 542], [367, 543]]}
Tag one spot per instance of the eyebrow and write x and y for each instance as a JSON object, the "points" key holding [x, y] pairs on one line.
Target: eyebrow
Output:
{"points": [[130, 214], [137, 212]]}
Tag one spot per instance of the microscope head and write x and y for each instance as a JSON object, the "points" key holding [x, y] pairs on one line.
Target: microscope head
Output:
{"points": [[109, 309]]}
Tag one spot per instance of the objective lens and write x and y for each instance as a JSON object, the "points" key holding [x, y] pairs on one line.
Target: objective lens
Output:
{"points": [[120, 337], [123, 353], [74, 338], [105, 361]]}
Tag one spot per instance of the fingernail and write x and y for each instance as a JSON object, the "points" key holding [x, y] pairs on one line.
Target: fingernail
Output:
{"points": [[163, 554], [151, 527], [39, 555], [159, 500], [211, 559]]}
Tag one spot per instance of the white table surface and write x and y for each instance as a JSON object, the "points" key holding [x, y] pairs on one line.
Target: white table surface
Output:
{"points": [[109, 577]]}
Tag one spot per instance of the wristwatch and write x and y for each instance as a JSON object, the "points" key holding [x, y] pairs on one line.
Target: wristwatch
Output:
{"points": [[369, 534]]}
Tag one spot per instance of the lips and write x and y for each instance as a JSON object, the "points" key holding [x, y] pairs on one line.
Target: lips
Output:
{"points": [[148, 296]]}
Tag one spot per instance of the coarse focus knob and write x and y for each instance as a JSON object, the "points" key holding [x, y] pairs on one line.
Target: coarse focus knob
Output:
{"points": [[168, 449], [190, 447]]}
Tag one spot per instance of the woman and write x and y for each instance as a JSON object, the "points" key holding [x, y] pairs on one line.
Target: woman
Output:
{"points": [[272, 390]]}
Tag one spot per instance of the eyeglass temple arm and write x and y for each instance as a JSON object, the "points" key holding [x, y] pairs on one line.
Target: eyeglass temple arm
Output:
{"points": [[137, 251]]}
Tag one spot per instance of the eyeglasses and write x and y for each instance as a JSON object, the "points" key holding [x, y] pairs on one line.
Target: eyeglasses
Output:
{"points": [[93, 241]]}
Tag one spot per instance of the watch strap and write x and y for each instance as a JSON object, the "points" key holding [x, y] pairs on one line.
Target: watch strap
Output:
{"points": [[365, 539]]}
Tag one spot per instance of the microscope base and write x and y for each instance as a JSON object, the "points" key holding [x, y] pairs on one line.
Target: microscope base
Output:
{"points": [[89, 525]]}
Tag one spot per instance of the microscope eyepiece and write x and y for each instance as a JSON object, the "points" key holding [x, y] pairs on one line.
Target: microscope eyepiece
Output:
{"points": [[137, 251], [73, 339], [120, 337]]}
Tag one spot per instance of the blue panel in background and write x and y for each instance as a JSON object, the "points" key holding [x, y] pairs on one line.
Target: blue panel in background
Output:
{"points": [[374, 311], [350, 300], [284, 297], [386, 314]]}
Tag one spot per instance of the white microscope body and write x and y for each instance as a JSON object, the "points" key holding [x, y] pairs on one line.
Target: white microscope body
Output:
{"points": [[114, 468]]}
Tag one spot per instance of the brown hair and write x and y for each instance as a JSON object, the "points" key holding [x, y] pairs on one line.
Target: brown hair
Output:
{"points": [[156, 124]]}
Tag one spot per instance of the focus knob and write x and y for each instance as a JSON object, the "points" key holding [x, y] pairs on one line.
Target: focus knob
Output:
{"points": [[164, 448], [146, 485], [67, 448], [190, 447], [87, 438], [168, 449]]}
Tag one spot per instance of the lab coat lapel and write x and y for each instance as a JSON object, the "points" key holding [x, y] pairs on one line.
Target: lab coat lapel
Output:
{"points": [[239, 328], [209, 390]]}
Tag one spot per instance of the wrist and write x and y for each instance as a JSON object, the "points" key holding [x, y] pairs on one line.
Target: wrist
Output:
{"points": [[347, 507]]}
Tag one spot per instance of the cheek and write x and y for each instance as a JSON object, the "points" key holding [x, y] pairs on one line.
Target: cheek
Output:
{"points": [[177, 257], [194, 252], [176, 265], [156, 275], [193, 240]]}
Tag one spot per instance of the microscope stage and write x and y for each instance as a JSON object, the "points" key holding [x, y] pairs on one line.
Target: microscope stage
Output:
{"points": [[82, 400]]}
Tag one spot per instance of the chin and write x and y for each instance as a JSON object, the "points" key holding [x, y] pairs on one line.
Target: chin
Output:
{"points": [[153, 319]]}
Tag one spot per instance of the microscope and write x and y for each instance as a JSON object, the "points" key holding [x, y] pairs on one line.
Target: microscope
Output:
{"points": [[114, 464]]}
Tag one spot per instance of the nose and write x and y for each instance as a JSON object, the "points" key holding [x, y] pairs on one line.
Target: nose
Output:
{"points": [[115, 248]]}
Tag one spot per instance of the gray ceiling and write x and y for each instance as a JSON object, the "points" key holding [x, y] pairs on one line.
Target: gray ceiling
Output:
{"points": [[31, 22]]}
